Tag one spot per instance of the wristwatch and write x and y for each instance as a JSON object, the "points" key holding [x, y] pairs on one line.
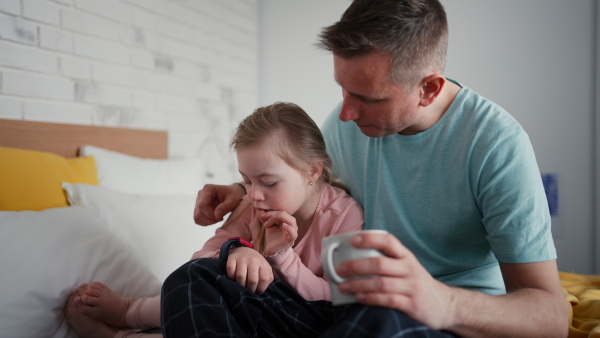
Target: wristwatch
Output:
{"points": [[233, 241]]}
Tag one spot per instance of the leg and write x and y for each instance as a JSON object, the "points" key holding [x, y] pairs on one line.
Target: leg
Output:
{"points": [[199, 300], [101, 303], [144, 313], [370, 321]]}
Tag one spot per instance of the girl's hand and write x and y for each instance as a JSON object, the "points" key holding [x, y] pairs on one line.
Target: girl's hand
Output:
{"points": [[249, 268], [281, 231]]}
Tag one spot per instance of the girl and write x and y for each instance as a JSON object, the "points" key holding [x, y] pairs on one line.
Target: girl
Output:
{"points": [[289, 207]]}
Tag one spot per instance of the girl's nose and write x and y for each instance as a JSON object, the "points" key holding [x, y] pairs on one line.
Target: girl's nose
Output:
{"points": [[256, 194]]}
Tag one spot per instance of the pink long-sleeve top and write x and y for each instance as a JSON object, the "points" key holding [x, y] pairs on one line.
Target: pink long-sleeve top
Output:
{"points": [[300, 266]]}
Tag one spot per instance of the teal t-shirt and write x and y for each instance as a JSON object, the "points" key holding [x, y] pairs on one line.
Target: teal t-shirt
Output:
{"points": [[461, 195]]}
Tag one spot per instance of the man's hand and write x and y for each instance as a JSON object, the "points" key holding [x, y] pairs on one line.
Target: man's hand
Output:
{"points": [[533, 307], [402, 282], [216, 201], [249, 268]]}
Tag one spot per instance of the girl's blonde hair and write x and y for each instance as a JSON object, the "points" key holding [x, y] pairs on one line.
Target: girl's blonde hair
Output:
{"points": [[299, 143]]}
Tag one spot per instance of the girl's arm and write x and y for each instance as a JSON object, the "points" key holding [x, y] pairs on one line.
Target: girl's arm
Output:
{"points": [[245, 266], [291, 269], [237, 228]]}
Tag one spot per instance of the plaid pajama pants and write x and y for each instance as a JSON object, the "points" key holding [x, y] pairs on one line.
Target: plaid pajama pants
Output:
{"points": [[198, 300]]}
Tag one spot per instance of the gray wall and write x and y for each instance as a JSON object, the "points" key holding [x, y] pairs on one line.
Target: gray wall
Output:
{"points": [[536, 58]]}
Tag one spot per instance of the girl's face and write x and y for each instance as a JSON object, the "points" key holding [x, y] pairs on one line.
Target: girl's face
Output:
{"points": [[271, 183]]}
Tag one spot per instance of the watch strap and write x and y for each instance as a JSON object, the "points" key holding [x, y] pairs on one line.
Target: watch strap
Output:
{"points": [[235, 242]]}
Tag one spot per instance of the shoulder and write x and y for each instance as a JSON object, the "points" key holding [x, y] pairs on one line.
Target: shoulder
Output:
{"points": [[243, 213], [485, 112], [338, 212], [244, 204], [334, 199], [482, 122]]}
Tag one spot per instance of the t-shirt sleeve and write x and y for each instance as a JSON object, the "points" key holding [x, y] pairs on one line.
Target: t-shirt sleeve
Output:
{"points": [[513, 203]]}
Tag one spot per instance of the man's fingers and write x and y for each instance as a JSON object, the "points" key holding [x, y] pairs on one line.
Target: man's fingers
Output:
{"points": [[226, 207], [203, 215], [203, 211], [381, 266], [219, 213], [388, 244]]}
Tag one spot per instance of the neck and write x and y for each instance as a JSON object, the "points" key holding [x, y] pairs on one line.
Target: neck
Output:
{"points": [[445, 99]]}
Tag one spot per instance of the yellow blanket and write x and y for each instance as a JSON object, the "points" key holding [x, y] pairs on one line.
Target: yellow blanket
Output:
{"points": [[583, 292]]}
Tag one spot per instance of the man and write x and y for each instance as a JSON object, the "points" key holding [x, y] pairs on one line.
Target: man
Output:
{"points": [[450, 174]]}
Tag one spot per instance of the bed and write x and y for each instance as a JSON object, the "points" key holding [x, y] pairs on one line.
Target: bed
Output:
{"points": [[85, 203]]}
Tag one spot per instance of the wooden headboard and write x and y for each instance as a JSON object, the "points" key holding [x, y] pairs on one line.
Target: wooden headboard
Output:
{"points": [[65, 139]]}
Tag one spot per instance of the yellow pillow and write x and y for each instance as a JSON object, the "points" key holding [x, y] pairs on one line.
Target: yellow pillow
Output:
{"points": [[31, 180]]}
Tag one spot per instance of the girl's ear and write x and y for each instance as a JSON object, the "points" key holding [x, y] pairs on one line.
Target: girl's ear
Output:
{"points": [[315, 172]]}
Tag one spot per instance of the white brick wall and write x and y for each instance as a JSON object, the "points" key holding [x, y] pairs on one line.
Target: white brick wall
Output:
{"points": [[186, 66]]}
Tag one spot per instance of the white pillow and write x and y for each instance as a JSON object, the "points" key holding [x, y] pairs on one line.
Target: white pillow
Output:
{"points": [[135, 175], [159, 230], [46, 255]]}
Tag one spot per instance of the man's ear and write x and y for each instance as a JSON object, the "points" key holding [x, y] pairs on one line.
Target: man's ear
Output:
{"points": [[431, 86]]}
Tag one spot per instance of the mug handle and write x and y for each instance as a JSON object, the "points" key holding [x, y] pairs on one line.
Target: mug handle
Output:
{"points": [[329, 268]]}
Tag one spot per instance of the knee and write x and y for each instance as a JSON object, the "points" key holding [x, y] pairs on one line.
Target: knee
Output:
{"points": [[386, 318], [175, 277], [200, 268]]}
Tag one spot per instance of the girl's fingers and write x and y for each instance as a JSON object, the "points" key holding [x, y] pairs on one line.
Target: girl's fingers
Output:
{"points": [[292, 231], [252, 278], [249, 268], [272, 218], [266, 277], [236, 271]]}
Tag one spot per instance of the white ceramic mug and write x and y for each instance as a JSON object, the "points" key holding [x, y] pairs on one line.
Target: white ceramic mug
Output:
{"points": [[337, 249]]}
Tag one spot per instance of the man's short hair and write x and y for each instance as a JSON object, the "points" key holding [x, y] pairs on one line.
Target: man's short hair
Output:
{"points": [[413, 32]]}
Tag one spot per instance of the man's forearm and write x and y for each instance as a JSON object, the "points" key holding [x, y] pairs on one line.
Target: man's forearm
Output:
{"points": [[526, 312]]}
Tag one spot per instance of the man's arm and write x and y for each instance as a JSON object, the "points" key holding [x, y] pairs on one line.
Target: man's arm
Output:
{"points": [[534, 305]]}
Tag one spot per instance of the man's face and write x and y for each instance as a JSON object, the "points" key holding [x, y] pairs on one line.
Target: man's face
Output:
{"points": [[378, 106]]}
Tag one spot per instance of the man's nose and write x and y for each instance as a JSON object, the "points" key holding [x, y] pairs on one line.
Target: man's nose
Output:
{"points": [[349, 110]]}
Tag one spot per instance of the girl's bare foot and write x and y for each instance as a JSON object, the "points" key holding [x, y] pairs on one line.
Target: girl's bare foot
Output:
{"points": [[100, 303], [84, 326]]}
